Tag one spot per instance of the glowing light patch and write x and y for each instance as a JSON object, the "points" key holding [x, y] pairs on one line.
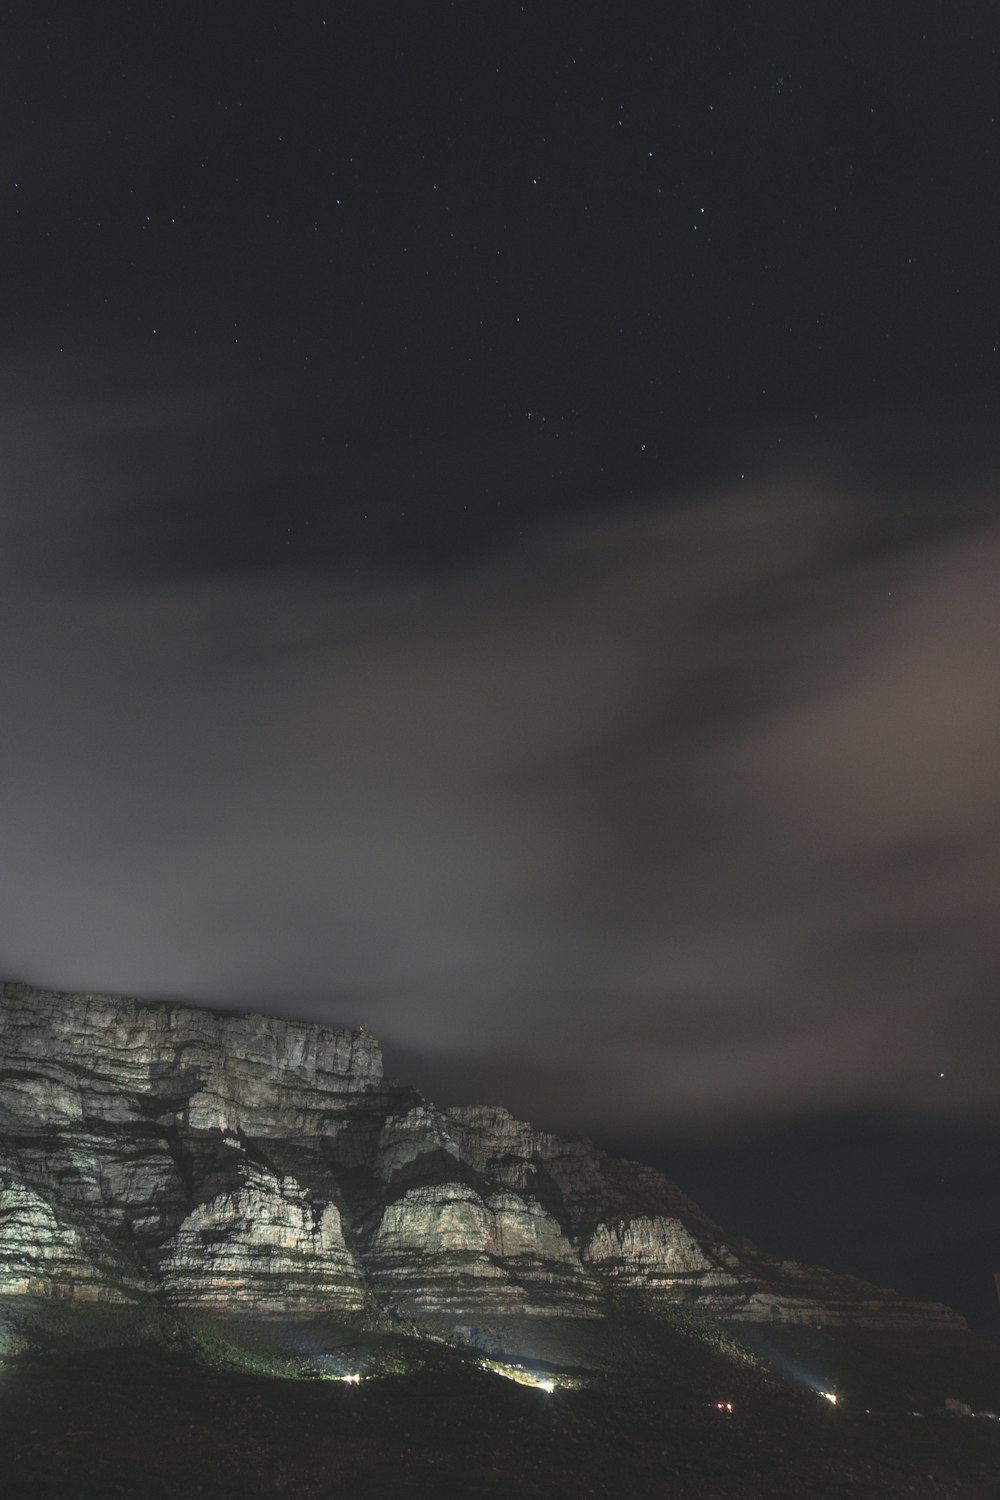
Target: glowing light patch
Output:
{"points": [[350, 1379], [519, 1375], [830, 1396], [726, 1406]]}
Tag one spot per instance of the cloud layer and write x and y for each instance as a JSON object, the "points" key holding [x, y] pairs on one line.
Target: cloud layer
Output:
{"points": [[684, 808]]}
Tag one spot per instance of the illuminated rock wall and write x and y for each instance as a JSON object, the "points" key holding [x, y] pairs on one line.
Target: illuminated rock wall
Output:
{"points": [[237, 1162]]}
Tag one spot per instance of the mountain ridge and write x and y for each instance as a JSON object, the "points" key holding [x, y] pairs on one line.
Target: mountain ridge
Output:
{"points": [[226, 1161]]}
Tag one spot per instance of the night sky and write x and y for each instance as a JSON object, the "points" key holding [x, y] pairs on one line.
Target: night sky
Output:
{"points": [[500, 541]]}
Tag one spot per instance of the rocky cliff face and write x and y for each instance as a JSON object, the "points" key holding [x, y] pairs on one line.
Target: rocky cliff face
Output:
{"points": [[209, 1160]]}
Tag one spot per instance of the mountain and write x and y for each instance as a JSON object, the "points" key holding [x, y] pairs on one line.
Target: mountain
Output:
{"points": [[199, 1161]]}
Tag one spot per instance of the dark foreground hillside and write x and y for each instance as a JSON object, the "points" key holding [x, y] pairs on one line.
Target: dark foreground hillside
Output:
{"points": [[197, 1418]]}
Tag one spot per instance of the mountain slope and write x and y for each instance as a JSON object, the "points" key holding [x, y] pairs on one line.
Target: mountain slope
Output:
{"points": [[206, 1160]]}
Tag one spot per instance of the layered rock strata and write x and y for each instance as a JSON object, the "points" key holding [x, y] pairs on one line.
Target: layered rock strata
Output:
{"points": [[238, 1162], [262, 1244]]}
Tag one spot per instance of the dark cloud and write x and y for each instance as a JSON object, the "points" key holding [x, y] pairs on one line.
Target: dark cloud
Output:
{"points": [[695, 790], [161, 478]]}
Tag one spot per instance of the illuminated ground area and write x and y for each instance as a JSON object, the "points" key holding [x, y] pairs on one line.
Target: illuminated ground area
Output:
{"points": [[179, 1421]]}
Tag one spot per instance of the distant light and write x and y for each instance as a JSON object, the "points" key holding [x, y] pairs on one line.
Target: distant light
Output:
{"points": [[351, 1379], [830, 1396], [726, 1406], [518, 1374]]}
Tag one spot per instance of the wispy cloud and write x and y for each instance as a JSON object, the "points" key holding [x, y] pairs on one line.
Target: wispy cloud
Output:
{"points": [[699, 791]]}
